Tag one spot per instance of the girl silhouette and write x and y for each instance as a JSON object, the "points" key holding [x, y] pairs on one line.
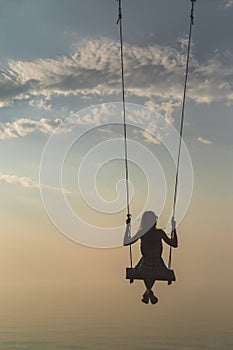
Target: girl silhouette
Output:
{"points": [[151, 249]]}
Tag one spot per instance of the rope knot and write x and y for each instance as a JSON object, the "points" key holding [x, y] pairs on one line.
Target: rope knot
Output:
{"points": [[128, 220], [119, 12], [192, 12]]}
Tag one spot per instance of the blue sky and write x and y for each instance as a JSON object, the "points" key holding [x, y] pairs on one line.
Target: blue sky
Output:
{"points": [[57, 58]]}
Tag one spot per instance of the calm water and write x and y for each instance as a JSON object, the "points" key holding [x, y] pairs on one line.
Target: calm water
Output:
{"points": [[36, 318]]}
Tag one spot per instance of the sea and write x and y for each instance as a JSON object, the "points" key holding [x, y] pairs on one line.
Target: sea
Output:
{"points": [[113, 317]]}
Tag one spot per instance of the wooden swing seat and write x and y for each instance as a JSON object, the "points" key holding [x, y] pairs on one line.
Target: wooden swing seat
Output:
{"points": [[159, 274]]}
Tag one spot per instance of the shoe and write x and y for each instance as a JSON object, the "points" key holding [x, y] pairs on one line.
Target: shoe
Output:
{"points": [[153, 298], [145, 298]]}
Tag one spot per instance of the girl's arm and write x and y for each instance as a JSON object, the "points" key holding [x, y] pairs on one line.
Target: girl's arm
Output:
{"points": [[173, 241]]}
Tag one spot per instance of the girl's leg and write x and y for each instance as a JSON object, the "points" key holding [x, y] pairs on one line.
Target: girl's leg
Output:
{"points": [[149, 294], [149, 284]]}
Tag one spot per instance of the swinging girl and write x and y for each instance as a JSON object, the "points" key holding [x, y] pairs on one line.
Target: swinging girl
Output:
{"points": [[151, 249], [151, 266]]}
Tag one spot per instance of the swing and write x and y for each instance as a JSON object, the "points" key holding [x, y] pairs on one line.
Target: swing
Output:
{"points": [[159, 273]]}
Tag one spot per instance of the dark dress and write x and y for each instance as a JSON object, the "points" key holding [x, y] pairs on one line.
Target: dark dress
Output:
{"points": [[151, 249]]}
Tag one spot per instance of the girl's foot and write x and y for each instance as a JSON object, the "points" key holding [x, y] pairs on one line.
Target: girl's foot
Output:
{"points": [[145, 298], [153, 298]]}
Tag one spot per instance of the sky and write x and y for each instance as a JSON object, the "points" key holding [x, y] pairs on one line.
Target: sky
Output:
{"points": [[60, 78]]}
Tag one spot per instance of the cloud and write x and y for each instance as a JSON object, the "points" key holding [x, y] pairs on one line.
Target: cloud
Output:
{"points": [[148, 137], [166, 108], [24, 181], [22, 127], [40, 104], [204, 141], [213, 81], [152, 72], [228, 3], [27, 182], [152, 127]]}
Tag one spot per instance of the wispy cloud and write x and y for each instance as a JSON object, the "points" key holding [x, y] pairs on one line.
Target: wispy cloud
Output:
{"points": [[23, 181], [22, 127], [27, 182], [153, 72], [148, 137], [228, 3], [204, 141], [40, 104], [166, 107], [150, 125]]}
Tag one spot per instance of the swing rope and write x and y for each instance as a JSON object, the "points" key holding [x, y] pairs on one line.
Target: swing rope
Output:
{"points": [[182, 121], [119, 21]]}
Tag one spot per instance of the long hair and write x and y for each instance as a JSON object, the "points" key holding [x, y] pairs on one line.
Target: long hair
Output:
{"points": [[149, 219]]}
